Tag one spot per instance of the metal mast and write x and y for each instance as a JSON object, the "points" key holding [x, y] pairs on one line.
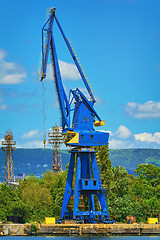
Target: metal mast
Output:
{"points": [[8, 146], [55, 139]]}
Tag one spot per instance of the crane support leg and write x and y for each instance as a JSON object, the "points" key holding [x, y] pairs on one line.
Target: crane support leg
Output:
{"points": [[76, 184], [87, 182], [68, 189]]}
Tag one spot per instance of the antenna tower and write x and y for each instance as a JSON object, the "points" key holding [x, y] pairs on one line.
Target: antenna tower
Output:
{"points": [[8, 145], [55, 139]]}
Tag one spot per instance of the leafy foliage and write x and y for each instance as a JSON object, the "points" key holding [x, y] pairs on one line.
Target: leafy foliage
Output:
{"points": [[104, 164], [33, 199], [36, 199], [129, 195]]}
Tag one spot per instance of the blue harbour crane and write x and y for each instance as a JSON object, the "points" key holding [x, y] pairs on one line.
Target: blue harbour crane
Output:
{"points": [[78, 121]]}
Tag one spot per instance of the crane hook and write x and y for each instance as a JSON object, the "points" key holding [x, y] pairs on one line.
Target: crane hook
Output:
{"points": [[44, 142]]}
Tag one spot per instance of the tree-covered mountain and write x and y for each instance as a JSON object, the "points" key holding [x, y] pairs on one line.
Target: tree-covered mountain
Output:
{"points": [[130, 158], [37, 161]]}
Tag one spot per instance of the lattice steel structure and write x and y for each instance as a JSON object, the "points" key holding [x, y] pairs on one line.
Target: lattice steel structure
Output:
{"points": [[8, 145], [55, 139]]}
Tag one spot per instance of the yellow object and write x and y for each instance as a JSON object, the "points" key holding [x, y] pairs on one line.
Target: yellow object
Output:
{"points": [[75, 139], [42, 74], [98, 123], [44, 142], [50, 220], [71, 137], [152, 220]]}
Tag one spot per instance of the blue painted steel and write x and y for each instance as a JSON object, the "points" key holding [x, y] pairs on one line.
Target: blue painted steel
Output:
{"points": [[90, 138], [88, 104], [64, 105], [76, 62], [87, 185], [68, 189], [79, 134], [45, 49], [77, 185]]}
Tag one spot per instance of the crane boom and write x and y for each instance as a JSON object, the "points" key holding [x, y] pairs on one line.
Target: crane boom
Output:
{"points": [[50, 44], [76, 62], [84, 113]]}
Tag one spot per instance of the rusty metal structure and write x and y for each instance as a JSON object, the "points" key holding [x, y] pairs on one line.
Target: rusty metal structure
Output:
{"points": [[55, 139], [8, 146]]}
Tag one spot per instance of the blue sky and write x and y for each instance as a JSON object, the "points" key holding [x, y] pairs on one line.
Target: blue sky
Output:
{"points": [[117, 42]]}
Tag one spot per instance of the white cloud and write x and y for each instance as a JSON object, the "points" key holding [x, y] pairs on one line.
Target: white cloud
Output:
{"points": [[99, 101], [68, 71], [123, 138], [146, 110], [2, 54], [32, 144], [30, 134], [10, 72], [148, 137], [116, 144], [3, 107], [122, 133], [1, 139]]}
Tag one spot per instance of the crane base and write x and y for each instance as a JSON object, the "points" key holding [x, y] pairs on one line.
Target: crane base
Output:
{"points": [[87, 183]]}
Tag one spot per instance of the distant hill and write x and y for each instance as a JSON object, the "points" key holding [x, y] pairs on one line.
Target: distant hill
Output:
{"points": [[37, 161], [130, 158], [32, 161]]}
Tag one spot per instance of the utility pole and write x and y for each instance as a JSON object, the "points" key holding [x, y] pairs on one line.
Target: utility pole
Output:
{"points": [[55, 139], [8, 146]]}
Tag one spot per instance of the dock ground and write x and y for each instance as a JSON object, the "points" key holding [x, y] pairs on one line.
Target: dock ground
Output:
{"points": [[81, 229]]}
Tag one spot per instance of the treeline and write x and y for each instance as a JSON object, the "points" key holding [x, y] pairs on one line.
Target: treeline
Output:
{"points": [[35, 199], [130, 158]]}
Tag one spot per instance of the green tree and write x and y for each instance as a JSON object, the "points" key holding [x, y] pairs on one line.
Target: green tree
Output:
{"points": [[149, 172], [36, 198], [105, 166], [58, 187], [8, 199], [120, 181], [147, 186]]}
